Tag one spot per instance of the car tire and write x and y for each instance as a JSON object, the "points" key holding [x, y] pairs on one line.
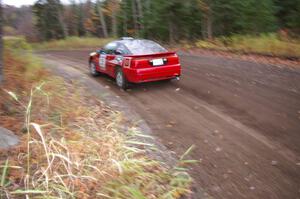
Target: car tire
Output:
{"points": [[121, 79], [93, 70]]}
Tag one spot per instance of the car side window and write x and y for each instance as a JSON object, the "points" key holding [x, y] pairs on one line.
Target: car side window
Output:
{"points": [[122, 50], [110, 48]]}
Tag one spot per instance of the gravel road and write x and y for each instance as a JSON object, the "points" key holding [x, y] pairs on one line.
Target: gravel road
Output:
{"points": [[243, 118]]}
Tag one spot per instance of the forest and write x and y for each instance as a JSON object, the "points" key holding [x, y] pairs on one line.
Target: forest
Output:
{"points": [[167, 21], [227, 128]]}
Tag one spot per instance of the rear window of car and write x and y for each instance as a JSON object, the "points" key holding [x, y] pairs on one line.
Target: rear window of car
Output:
{"points": [[143, 47]]}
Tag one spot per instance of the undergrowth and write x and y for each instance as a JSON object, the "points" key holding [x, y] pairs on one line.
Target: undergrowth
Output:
{"points": [[72, 144], [268, 44], [264, 44], [72, 43]]}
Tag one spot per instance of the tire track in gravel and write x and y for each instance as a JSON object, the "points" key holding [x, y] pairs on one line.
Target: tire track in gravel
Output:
{"points": [[243, 118]]}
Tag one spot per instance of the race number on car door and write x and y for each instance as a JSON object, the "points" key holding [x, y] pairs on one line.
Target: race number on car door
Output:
{"points": [[102, 62]]}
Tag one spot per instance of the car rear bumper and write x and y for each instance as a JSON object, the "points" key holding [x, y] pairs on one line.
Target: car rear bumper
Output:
{"points": [[152, 73]]}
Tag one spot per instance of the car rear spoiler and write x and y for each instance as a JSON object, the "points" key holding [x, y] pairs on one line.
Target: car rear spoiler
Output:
{"points": [[152, 55]]}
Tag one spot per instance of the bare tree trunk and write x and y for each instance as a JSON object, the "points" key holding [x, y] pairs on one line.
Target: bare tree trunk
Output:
{"points": [[140, 13], [114, 19], [171, 32], [135, 20], [147, 13], [203, 27], [207, 18], [102, 20], [114, 24], [209, 24], [63, 25], [1, 44], [125, 24]]}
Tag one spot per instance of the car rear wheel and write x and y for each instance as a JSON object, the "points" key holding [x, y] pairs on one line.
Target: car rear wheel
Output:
{"points": [[93, 69], [121, 79]]}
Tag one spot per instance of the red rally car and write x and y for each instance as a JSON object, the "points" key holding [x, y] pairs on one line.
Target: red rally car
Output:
{"points": [[135, 60]]}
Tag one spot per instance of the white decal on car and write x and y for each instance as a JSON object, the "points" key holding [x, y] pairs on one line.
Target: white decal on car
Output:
{"points": [[93, 53], [117, 60], [102, 62]]}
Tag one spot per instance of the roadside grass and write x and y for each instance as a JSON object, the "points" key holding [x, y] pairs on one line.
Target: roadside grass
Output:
{"points": [[72, 144], [264, 44], [72, 43], [271, 44]]}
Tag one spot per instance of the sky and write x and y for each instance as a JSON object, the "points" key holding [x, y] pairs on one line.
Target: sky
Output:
{"points": [[19, 3]]}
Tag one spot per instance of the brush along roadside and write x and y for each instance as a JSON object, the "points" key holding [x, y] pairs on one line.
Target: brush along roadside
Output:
{"points": [[72, 147], [71, 43], [73, 151], [270, 45]]}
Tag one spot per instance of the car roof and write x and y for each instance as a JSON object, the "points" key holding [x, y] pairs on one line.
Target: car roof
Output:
{"points": [[127, 41], [139, 46]]}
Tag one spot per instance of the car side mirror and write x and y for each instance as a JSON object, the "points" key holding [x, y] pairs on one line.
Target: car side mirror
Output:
{"points": [[118, 52], [100, 51]]}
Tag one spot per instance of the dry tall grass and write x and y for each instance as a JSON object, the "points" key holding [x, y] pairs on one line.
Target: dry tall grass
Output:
{"points": [[72, 146], [270, 44], [72, 43]]}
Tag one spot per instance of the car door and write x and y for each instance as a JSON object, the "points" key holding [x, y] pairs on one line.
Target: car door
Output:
{"points": [[102, 61], [107, 60], [110, 64]]}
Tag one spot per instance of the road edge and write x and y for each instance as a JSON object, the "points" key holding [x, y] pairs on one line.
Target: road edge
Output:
{"points": [[115, 102]]}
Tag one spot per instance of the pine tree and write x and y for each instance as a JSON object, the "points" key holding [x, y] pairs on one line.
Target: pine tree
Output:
{"points": [[49, 22], [243, 16], [288, 14], [168, 21]]}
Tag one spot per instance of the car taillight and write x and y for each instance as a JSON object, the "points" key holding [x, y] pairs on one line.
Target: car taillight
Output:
{"points": [[127, 62]]}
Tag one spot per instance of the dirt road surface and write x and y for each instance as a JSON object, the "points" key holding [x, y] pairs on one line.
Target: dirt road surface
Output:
{"points": [[243, 118]]}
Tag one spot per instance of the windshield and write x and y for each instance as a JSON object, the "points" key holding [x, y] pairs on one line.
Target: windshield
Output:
{"points": [[143, 47]]}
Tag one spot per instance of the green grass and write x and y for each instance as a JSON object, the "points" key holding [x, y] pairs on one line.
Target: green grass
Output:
{"points": [[72, 43], [16, 44], [266, 44]]}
